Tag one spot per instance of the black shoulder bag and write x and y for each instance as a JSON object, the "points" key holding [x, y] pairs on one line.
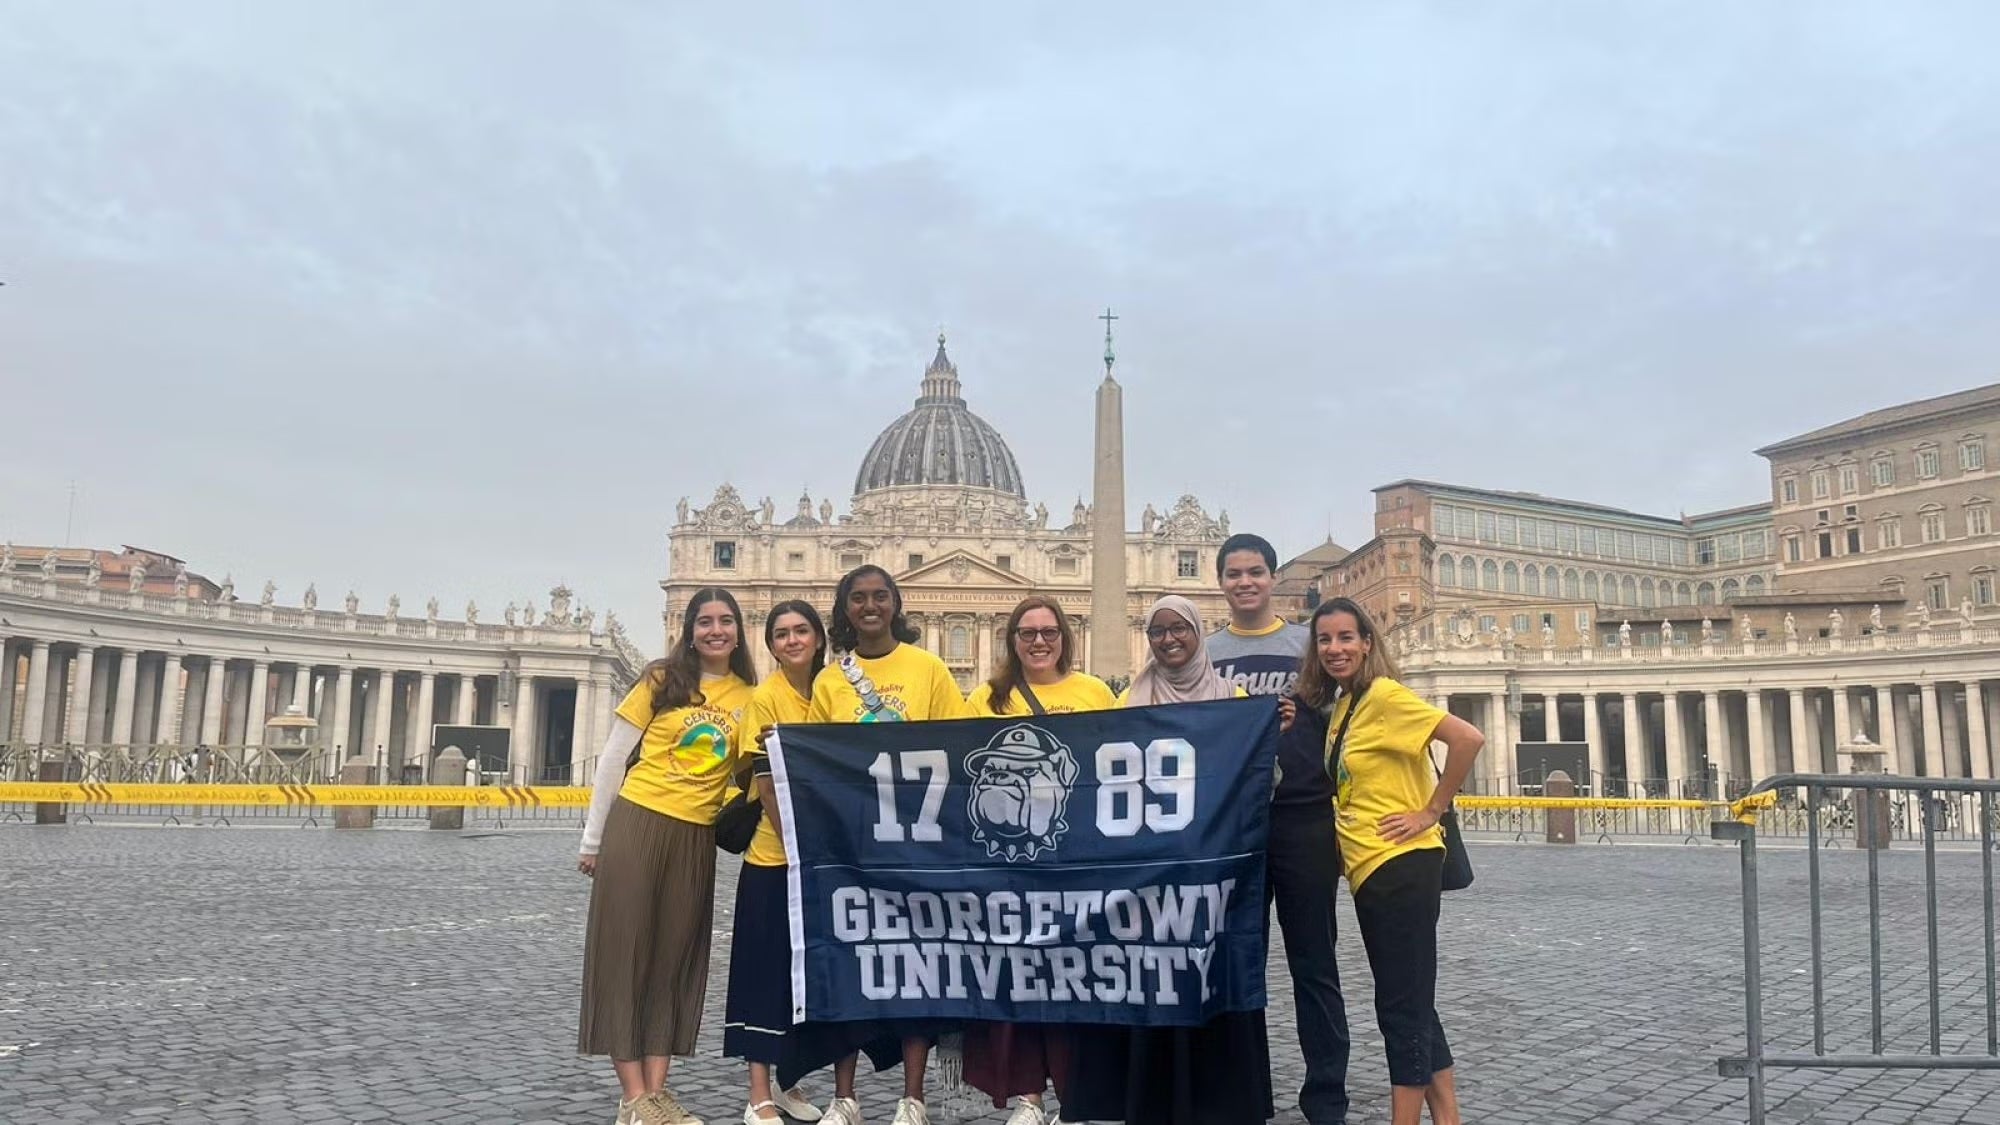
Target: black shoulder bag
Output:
{"points": [[736, 824], [1034, 704]]}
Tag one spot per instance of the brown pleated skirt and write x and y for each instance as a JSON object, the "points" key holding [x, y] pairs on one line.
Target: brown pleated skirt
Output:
{"points": [[645, 950]]}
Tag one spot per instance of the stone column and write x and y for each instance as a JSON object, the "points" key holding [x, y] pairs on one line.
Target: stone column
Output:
{"points": [[53, 708], [1975, 730], [524, 749], [1934, 760], [146, 707], [1886, 734], [1843, 719], [1955, 756], [467, 703], [1802, 759], [1499, 746], [8, 663], [580, 748], [385, 718], [982, 646], [334, 741], [1107, 520], [82, 717], [128, 698], [260, 703], [419, 734], [35, 707], [302, 678], [1677, 769], [1717, 739], [171, 698], [212, 701], [1763, 763], [1637, 760], [1593, 734]]}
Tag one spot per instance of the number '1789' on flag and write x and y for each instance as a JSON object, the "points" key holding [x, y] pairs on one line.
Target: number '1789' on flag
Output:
{"points": [[1099, 867]]}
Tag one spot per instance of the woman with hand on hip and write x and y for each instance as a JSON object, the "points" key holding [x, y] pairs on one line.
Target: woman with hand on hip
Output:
{"points": [[649, 846], [1388, 801], [1215, 1074], [878, 675], [757, 1018], [1035, 677]]}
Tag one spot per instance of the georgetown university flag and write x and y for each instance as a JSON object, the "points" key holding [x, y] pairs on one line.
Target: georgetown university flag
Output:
{"points": [[1099, 867]]}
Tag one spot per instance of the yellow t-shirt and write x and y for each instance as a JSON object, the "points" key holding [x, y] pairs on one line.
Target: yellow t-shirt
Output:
{"points": [[775, 701], [1384, 768], [685, 757], [1125, 697], [913, 685], [1078, 691]]}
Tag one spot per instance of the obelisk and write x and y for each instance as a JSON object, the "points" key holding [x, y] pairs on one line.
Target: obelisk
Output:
{"points": [[1110, 647]]}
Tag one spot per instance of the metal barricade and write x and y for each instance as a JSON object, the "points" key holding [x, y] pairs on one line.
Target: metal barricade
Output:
{"points": [[1880, 809]]}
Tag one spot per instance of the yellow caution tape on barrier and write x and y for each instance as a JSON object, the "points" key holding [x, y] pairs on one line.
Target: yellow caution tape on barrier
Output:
{"points": [[298, 796], [1581, 803], [1746, 809]]}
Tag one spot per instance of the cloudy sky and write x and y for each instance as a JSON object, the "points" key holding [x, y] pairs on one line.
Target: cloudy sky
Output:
{"points": [[459, 298]]}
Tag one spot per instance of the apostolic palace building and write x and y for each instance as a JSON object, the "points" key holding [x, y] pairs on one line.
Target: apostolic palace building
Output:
{"points": [[1854, 608]]}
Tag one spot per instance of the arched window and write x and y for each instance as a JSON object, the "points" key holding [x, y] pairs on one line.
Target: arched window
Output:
{"points": [[1684, 595], [1572, 585], [1468, 573], [1447, 570], [1510, 579], [1647, 597], [1628, 591], [1590, 585], [1730, 589], [1753, 585], [1704, 594], [1531, 579], [958, 643], [1489, 575]]}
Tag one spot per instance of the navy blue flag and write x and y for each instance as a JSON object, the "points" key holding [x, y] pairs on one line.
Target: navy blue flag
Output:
{"points": [[1099, 867]]}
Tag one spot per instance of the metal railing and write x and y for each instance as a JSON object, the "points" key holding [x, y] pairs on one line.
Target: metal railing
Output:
{"points": [[1879, 809]]}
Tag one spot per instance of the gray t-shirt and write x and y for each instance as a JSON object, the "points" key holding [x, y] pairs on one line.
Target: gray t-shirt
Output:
{"points": [[1269, 665]]}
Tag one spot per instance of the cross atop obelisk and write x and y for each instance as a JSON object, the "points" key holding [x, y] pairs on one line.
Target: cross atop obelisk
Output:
{"points": [[1110, 356]]}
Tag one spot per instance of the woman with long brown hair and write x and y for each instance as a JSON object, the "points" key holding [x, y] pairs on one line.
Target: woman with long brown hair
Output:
{"points": [[1036, 676], [1388, 799], [649, 846]]}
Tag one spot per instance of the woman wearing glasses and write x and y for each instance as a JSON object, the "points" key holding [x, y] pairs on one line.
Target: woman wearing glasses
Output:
{"points": [[1215, 1074], [878, 675], [1035, 677]]}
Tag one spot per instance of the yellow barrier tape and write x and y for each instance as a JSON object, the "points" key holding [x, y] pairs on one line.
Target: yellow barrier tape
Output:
{"points": [[306, 796], [1746, 810], [1580, 803]]}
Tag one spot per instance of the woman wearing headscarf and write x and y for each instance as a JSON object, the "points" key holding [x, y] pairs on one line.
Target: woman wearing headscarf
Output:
{"points": [[1215, 1074]]}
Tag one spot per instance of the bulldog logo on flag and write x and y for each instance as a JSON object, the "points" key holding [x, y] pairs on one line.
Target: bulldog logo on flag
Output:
{"points": [[1020, 789]]}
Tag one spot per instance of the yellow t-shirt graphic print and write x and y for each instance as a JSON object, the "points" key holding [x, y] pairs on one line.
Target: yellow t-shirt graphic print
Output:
{"points": [[912, 684], [687, 753], [1384, 768], [1078, 691]]}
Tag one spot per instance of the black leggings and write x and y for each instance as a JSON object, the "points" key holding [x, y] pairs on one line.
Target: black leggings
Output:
{"points": [[1397, 908]]}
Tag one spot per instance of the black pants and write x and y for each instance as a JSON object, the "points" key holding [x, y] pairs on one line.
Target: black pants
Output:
{"points": [[1302, 872], [1397, 907]]}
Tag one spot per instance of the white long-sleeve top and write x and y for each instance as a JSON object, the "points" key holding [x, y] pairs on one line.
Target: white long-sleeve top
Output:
{"points": [[607, 781]]}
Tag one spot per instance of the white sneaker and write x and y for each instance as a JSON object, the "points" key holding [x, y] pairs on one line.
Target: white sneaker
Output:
{"points": [[910, 1111], [752, 1117], [1027, 1113], [794, 1104], [842, 1111], [662, 1109], [625, 1111]]}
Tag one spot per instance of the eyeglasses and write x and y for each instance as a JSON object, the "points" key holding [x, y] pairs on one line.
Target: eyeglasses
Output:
{"points": [[1047, 635], [1179, 630]]}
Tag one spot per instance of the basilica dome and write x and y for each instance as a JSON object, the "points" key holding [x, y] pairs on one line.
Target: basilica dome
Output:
{"points": [[939, 443]]}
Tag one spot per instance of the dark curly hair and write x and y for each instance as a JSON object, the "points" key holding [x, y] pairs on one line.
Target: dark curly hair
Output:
{"points": [[841, 635]]}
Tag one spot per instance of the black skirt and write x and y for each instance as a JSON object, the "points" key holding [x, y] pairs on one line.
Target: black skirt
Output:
{"points": [[757, 1019], [1215, 1074]]}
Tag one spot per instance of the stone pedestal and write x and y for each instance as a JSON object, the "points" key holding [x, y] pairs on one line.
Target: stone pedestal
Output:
{"points": [[51, 812], [1561, 822], [1871, 807], [449, 767], [357, 771]]}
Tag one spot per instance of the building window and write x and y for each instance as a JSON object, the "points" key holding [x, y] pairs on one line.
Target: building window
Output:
{"points": [[1487, 624], [1729, 590], [1590, 586], [1489, 575], [1548, 620], [958, 643], [1488, 529], [1936, 594], [1888, 533], [725, 554], [1566, 538], [1064, 565], [1447, 570], [1509, 532], [1520, 623], [1822, 484], [1583, 621], [1885, 471], [850, 559], [1004, 562], [915, 562], [1930, 523], [1187, 565], [1853, 540], [1792, 553], [1510, 579], [1546, 529], [1982, 589], [1704, 594], [1927, 463], [1978, 520], [1468, 573], [1531, 580], [1972, 455], [1789, 489], [1850, 479], [1825, 544], [1704, 552], [1572, 585], [1753, 585], [795, 560]]}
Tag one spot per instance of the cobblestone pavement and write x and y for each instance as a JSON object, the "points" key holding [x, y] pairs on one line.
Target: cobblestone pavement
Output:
{"points": [[296, 975]]}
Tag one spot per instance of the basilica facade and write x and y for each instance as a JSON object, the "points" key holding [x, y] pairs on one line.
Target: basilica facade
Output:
{"points": [[940, 503]]}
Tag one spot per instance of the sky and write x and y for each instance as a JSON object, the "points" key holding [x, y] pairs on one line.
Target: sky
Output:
{"points": [[458, 299]]}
